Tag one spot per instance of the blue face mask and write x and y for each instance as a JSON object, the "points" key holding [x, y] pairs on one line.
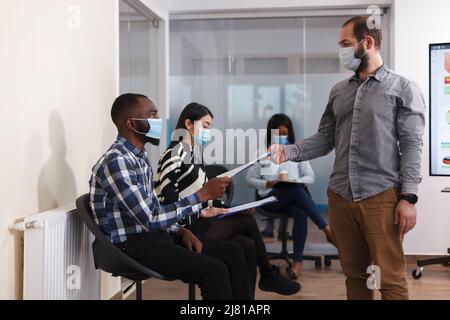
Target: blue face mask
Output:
{"points": [[203, 137], [154, 128], [348, 58], [280, 139]]}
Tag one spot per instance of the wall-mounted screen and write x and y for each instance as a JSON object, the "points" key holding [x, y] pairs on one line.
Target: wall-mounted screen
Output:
{"points": [[440, 109]]}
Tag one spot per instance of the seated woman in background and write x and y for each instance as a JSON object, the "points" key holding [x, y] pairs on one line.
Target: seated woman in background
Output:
{"points": [[293, 198], [180, 173]]}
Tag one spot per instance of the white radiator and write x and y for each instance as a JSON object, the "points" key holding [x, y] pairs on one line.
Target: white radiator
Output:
{"points": [[58, 261]]}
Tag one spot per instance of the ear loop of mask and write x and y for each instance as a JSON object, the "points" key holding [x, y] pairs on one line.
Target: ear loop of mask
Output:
{"points": [[357, 45], [194, 142], [137, 131]]}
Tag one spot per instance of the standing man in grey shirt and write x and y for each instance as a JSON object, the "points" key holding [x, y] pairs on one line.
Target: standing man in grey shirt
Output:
{"points": [[375, 122]]}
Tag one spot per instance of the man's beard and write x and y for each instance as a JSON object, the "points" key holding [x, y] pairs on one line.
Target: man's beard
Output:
{"points": [[361, 54]]}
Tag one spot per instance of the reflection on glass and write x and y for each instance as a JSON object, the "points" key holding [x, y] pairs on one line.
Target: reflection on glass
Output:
{"points": [[246, 70], [138, 72]]}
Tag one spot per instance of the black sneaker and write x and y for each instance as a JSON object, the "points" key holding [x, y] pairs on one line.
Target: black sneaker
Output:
{"points": [[274, 281]]}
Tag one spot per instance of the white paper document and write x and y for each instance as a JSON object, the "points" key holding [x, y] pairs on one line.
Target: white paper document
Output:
{"points": [[249, 205], [235, 171]]}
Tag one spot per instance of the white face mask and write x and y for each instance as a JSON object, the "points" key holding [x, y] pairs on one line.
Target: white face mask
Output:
{"points": [[348, 59]]}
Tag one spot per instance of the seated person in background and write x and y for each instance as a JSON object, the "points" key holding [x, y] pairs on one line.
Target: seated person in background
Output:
{"points": [[180, 174], [293, 198], [126, 209]]}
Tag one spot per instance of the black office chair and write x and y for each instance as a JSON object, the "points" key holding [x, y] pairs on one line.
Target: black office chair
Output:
{"points": [[421, 263], [111, 259], [284, 254], [213, 171]]}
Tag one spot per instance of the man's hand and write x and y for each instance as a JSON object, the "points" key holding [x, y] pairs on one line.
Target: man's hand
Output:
{"points": [[213, 212], [277, 153], [405, 216], [272, 183], [213, 189], [190, 241]]}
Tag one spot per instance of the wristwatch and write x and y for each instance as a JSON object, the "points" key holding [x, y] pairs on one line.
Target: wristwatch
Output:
{"points": [[410, 197]]}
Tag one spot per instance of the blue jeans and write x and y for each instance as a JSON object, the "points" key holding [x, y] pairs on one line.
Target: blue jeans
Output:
{"points": [[296, 201]]}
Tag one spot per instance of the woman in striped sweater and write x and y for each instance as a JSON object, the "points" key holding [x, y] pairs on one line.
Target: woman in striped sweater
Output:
{"points": [[181, 172]]}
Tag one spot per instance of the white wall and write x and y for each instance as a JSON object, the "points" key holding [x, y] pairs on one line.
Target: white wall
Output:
{"points": [[57, 86], [418, 23], [415, 24]]}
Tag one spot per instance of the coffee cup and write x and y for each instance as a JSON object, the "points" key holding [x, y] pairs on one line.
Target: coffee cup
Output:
{"points": [[283, 176]]}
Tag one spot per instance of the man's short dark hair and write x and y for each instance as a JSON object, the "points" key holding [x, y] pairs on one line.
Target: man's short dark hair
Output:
{"points": [[122, 106], [361, 29]]}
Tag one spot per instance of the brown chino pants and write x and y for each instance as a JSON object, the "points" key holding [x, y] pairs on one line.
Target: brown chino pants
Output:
{"points": [[365, 235]]}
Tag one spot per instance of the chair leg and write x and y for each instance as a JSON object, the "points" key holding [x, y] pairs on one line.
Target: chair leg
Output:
{"points": [[317, 260], [329, 257], [283, 230], [138, 290], [191, 292], [284, 254]]}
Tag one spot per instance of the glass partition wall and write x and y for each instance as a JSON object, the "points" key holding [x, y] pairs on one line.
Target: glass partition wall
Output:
{"points": [[139, 43], [246, 70]]}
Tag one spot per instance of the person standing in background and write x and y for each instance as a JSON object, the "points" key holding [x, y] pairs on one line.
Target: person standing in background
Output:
{"points": [[375, 122]]}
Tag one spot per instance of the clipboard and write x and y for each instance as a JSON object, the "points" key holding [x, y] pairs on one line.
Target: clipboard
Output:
{"points": [[250, 205]]}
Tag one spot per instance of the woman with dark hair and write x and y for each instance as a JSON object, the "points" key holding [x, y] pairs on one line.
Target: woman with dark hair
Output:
{"points": [[293, 198], [180, 173]]}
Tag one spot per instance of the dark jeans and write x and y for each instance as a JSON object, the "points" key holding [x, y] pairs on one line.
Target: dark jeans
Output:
{"points": [[243, 230], [296, 201], [220, 270]]}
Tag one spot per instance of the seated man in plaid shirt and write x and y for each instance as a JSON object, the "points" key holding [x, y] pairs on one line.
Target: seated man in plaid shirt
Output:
{"points": [[126, 209]]}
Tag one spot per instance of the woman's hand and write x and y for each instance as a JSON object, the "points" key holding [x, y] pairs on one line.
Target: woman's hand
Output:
{"points": [[213, 189], [190, 241], [213, 212], [272, 183]]}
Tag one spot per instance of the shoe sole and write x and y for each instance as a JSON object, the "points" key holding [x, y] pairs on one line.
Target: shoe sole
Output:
{"points": [[290, 293]]}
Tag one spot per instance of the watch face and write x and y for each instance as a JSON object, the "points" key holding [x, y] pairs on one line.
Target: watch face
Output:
{"points": [[411, 198]]}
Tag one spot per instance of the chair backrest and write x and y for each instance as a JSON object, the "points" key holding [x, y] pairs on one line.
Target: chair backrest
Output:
{"points": [[107, 256], [213, 171]]}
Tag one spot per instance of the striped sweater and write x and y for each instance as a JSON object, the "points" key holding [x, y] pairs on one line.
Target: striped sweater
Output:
{"points": [[180, 173]]}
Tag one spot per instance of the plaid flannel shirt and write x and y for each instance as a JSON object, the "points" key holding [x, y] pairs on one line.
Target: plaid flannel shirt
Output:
{"points": [[122, 199]]}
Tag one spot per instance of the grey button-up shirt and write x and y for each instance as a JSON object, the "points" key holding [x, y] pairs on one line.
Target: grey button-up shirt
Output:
{"points": [[376, 127]]}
